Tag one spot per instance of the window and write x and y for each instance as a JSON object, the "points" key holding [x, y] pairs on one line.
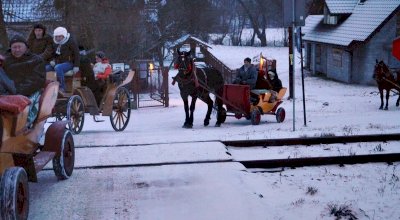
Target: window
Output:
{"points": [[337, 57], [318, 51]]}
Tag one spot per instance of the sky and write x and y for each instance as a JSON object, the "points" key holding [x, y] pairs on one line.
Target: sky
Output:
{"points": [[211, 184]]}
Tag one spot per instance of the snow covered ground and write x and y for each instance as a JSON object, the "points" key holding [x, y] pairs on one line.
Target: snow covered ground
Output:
{"points": [[224, 189]]}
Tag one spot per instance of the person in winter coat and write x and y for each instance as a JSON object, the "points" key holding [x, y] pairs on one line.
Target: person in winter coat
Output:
{"points": [[101, 70], [7, 86], [276, 85], [66, 54], [275, 81], [41, 43], [247, 74], [27, 70]]}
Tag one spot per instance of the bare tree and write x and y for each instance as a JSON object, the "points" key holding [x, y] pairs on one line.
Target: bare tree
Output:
{"points": [[257, 20], [3, 31]]}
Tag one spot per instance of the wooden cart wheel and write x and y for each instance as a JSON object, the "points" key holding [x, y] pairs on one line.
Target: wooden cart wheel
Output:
{"points": [[121, 111], [63, 163], [75, 114], [255, 116], [222, 115], [14, 194], [280, 115]]}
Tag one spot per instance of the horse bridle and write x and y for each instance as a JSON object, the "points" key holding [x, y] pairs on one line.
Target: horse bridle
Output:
{"points": [[183, 66]]}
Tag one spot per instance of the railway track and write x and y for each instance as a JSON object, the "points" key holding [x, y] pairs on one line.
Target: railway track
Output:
{"points": [[377, 157], [314, 140]]}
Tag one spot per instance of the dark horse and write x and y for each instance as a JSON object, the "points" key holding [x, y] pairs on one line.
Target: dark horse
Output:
{"points": [[198, 83], [386, 81]]}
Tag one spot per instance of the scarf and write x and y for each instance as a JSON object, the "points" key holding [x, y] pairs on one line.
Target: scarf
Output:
{"points": [[63, 41]]}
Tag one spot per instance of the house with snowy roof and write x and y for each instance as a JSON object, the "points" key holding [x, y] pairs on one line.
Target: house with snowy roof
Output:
{"points": [[345, 41]]}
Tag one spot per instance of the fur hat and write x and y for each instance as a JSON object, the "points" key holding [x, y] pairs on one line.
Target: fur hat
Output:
{"points": [[39, 26], [247, 59], [17, 38], [60, 31]]}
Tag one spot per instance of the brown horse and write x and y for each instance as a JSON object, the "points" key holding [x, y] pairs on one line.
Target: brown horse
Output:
{"points": [[198, 83], [386, 81]]}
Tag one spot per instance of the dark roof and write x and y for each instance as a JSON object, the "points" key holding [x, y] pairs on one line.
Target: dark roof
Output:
{"points": [[364, 20]]}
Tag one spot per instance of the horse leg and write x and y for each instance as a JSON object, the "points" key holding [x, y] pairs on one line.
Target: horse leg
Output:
{"points": [[219, 112], [398, 101], [192, 108], [381, 95], [186, 107], [210, 104], [387, 99]]}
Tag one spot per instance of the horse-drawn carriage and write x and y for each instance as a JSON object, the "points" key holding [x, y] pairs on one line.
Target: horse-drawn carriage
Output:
{"points": [[79, 99], [239, 100], [251, 104], [21, 154]]}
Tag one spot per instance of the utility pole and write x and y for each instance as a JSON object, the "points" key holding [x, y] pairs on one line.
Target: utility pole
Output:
{"points": [[290, 39], [293, 15]]}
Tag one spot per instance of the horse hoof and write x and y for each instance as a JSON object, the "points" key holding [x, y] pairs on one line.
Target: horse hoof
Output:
{"points": [[380, 108], [187, 125], [386, 108], [217, 124], [206, 122]]}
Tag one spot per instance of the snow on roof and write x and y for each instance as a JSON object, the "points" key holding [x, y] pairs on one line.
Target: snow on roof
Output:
{"points": [[187, 37], [28, 11], [341, 6], [355, 28]]}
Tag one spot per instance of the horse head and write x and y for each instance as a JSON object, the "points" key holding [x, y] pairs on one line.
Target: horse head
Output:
{"points": [[184, 62], [381, 70]]}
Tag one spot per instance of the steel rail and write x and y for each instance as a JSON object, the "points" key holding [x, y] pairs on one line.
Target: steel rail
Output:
{"points": [[319, 161], [314, 140]]}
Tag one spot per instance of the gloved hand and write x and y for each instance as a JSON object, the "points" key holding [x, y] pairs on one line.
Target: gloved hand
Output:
{"points": [[75, 69], [52, 63]]}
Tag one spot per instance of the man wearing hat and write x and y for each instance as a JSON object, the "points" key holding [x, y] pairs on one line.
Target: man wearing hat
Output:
{"points": [[41, 43], [27, 70], [247, 74], [66, 54]]}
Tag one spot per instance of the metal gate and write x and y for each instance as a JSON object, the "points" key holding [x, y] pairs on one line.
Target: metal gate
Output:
{"points": [[150, 87]]}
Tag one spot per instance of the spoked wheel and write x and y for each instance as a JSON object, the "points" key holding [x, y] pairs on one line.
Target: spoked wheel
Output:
{"points": [[14, 194], [63, 163], [280, 115], [75, 114], [121, 111], [255, 116]]}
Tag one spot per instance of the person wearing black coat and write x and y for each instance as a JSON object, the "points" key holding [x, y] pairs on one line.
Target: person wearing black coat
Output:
{"points": [[27, 70], [41, 43], [275, 81]]}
